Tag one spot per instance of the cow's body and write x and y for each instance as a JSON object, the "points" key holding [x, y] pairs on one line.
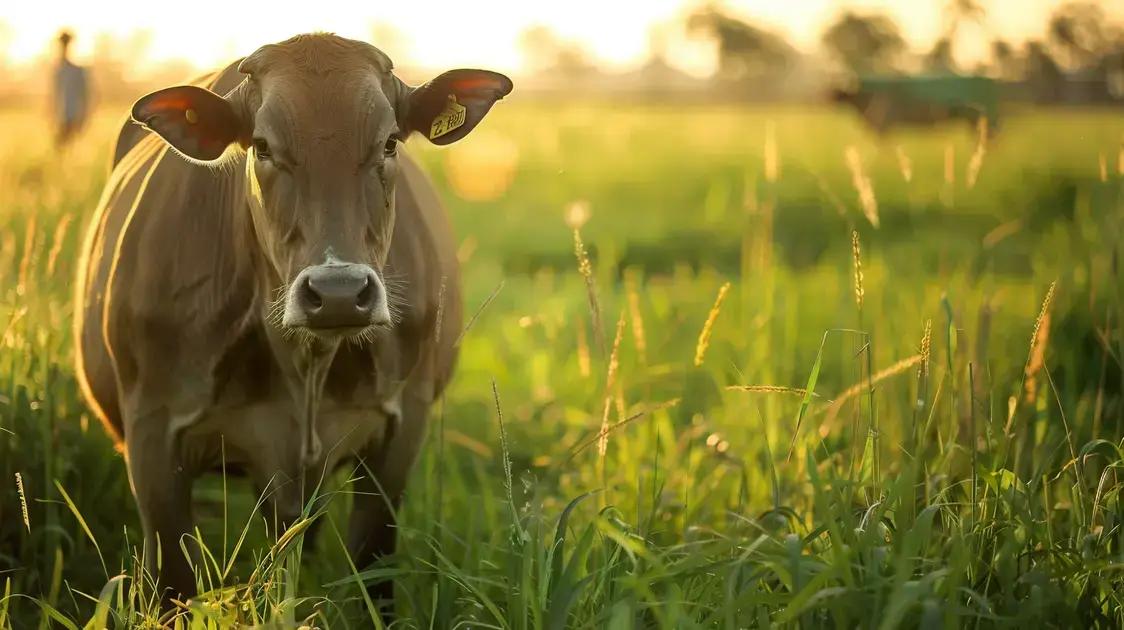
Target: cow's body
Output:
{"points": [[177, 357]]}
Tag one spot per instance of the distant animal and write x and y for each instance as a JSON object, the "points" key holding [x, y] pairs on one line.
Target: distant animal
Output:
{"points": [[889, 102], [270, 279]]}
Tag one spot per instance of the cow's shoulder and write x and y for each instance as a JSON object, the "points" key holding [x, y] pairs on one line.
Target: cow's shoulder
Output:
{"points": [[182, 260], [178, 281]]}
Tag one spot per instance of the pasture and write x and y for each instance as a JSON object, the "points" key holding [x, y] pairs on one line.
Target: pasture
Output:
{"points": [[716, 421]]}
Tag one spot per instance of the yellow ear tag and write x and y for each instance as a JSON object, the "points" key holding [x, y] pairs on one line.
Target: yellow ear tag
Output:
{"points": [[450, 118], [191, 116]]}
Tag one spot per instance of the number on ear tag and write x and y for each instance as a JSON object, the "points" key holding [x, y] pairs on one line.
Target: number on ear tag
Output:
{"points": [[449, 119]]}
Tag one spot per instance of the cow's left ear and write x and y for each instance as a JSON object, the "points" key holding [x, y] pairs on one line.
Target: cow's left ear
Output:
{"points": [[448, 107], [195, 121]]}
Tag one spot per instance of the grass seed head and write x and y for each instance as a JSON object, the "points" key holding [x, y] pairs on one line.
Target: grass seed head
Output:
{"points": [[905, 165], [857, 260], [768, 389], [949, 164], [926, 347], [28, 255], [610, 381], [862, 387], [708, 327], [585, 268], [1039, 339], [862, 184], [583, 352], [772, 161], [56, 246], [976, 162], [637, 318], [23, 502], [439, 320], [1042, 314]]}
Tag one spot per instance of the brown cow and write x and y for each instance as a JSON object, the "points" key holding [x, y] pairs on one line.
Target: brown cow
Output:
{"points": [[286, 297]]}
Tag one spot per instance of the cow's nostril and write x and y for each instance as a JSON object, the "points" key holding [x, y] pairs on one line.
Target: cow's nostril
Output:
{"points": [[366, 295], [310, 295]]}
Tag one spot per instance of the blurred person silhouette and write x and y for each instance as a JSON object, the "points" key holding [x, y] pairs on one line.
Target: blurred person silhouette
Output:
{"points": [[69, 93]]}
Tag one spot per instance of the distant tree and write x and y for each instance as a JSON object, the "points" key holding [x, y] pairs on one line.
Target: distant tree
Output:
{"points": [[864, 43], [1080, 33], [957, 15], [1043, 74], [1005, 61], [744, 50], [1112, 65], [939, 58], [1039, 61], [545, 51], [960, 12]]}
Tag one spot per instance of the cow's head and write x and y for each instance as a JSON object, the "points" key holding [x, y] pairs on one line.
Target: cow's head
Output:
{"points": [[320, 119]]}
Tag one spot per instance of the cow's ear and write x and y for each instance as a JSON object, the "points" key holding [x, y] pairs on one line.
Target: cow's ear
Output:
{"points": [[448, 107], [196, 122]]}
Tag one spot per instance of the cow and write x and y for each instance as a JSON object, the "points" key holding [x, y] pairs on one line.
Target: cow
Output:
{"points": [[921, 101], [269, 283]]}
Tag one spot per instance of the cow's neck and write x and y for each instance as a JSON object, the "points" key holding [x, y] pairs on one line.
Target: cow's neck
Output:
{"points": [[305, 365], [313, 363], [305, 362]]}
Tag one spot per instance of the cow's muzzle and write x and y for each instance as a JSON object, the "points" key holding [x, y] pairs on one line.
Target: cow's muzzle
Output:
{"points": [[337, 299]]}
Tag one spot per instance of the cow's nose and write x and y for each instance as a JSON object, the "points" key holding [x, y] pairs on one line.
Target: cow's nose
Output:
{"points": [[341, 296]]}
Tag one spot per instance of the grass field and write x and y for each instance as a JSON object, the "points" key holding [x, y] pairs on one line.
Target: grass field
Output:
{"points": [[939, 446]]}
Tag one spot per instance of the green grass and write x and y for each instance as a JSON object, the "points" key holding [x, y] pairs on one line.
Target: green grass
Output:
{"points": [[924, 498]]}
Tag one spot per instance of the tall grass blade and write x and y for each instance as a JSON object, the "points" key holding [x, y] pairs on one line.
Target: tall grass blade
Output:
{"points": [[82, 523]]}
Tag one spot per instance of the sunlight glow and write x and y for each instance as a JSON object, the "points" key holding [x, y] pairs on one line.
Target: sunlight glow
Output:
{"points": [[207, 33]]}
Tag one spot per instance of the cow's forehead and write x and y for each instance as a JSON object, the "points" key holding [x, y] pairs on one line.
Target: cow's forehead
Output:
{"points": [[317, 54], [353, 90], [320, 80]]}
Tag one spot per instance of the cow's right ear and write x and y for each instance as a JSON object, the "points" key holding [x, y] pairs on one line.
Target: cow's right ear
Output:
{"points": [[195, 121]]}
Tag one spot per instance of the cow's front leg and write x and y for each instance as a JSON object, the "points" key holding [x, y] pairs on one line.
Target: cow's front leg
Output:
{"points": [[372, 533], [162, 488]]}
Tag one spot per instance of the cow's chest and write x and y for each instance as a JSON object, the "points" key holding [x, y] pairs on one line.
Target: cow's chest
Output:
{"points": [[256, 422], [267, 436]]}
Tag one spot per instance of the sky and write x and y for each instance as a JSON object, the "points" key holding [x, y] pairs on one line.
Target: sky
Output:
{"points": [[484, 33]]}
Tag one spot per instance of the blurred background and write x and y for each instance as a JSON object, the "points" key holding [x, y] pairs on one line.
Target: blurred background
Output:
{"points": [[1043, 51], [863, 258]]}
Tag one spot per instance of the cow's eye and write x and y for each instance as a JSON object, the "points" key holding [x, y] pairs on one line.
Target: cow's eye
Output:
{"points": [[261, 149], [391, 148]]}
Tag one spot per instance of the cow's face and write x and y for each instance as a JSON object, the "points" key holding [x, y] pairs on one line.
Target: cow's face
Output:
{"points": [[321, 119]]}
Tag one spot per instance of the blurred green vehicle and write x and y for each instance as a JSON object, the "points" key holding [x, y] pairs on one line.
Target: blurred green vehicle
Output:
{"points": [[888, 101]]}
